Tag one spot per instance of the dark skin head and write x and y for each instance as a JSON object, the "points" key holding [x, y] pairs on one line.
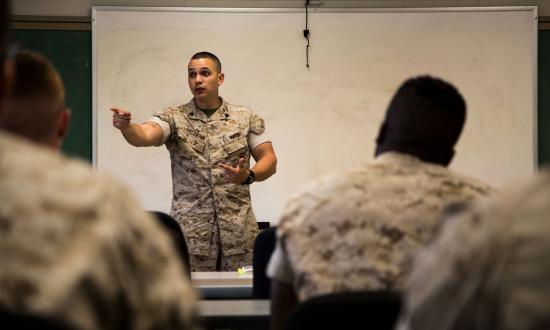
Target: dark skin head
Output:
{"points": [[424, 119]]}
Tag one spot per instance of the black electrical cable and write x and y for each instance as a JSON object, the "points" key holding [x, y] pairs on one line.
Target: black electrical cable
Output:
{"points": [[306, 34]]}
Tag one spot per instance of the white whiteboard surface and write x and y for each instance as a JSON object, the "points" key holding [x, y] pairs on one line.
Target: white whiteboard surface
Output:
{"points": [[328, 117]]}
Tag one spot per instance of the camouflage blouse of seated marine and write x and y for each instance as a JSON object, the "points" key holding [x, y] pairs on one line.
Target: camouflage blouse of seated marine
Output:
{"points": [[360, 229], [198, 144]]}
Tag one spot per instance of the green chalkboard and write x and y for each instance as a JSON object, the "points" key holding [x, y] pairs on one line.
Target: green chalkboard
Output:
{"points": [[71, 53], [544, 98]]}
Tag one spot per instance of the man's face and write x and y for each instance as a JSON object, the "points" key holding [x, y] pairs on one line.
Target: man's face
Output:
{"points": [[204, 79]]}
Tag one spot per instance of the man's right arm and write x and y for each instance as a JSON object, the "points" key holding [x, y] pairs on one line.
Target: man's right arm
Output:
{"points": [[138, 135]]}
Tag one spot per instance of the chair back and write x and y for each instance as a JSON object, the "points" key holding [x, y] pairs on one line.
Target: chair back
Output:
{"points": [[263, 225], [349, 310], [263, 248], [177, 236], [11, 320]]}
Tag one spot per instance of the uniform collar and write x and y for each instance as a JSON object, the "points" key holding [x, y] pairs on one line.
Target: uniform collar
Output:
{"points": [[395, 156], [193, 112]]}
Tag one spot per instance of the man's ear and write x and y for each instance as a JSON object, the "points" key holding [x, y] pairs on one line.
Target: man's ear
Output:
{"points": [[63, 123], [221, 78]]}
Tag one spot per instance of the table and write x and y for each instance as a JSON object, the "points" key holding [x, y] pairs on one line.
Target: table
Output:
{"points": [[235, 314], [222, 285]]}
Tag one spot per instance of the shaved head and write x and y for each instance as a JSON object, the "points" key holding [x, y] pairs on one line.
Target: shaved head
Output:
{"points": [[37, 99], [209, 56]]}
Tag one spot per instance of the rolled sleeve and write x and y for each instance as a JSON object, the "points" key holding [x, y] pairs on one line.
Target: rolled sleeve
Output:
{"points": [[164, 126], [257, 133], [255, 140]]}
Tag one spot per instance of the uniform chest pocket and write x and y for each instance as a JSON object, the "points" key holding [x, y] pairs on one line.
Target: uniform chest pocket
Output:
{"points": [[237, 146], [192, 138]]}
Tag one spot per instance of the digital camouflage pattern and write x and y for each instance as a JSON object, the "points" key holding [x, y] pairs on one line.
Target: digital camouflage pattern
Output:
{"points": [[489, 268], [201, 197], [359, 229], [227, 263], [75, 246]]}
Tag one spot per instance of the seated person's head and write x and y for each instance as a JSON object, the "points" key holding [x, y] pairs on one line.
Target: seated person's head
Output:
{"points": [[425, 119], [35, 109]]}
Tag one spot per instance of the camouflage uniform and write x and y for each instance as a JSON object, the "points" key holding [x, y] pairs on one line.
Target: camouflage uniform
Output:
{"points": [[359, 229], [208, 263], [488, 269], [76, 247], [203, 202]]}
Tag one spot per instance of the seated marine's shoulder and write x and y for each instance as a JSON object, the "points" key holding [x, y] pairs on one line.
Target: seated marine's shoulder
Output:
{"points": [[44, 175], [336, 190], [470, 183]]}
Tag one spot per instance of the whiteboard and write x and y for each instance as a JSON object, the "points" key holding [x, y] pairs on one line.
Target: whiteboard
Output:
{"points": [[325, 118]]}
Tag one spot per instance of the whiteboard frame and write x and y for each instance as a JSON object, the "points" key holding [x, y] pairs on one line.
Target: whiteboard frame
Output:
{"points": [[533, 9]]}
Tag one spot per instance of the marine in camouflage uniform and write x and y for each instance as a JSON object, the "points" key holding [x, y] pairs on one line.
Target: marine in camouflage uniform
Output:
{"points": [[210, 144], [75, 246], [360, 229], [210, 210], [488, 269]]}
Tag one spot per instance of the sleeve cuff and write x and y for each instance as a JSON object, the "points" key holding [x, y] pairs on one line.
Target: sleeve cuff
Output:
{"points": [[164, 126], [255, 140]]}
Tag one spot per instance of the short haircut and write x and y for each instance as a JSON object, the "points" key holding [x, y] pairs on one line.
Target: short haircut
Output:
{"points": [[38, 96], [425, 119], [211, 56]]}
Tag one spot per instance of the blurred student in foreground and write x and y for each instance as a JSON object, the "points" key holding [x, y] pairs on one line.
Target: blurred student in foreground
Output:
{"points": [[359, 229], [74, 244], [488, 269]]}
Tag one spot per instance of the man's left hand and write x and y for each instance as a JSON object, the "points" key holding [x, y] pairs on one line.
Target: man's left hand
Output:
{"points": [[235, 174]]}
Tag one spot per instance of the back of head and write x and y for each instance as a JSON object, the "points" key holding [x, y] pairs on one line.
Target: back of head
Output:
{"points": [[424, 119], [36, 104]]}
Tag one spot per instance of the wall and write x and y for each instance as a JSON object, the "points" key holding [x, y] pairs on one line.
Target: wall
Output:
{"points": [[75, 15], [83, 7]]}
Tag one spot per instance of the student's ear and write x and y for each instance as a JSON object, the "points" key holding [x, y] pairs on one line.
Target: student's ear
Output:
{"points": [[221, 78], [63, 123]]}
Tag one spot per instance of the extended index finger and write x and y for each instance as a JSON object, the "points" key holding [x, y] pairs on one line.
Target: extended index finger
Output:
{"points": [[121, 112]]}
